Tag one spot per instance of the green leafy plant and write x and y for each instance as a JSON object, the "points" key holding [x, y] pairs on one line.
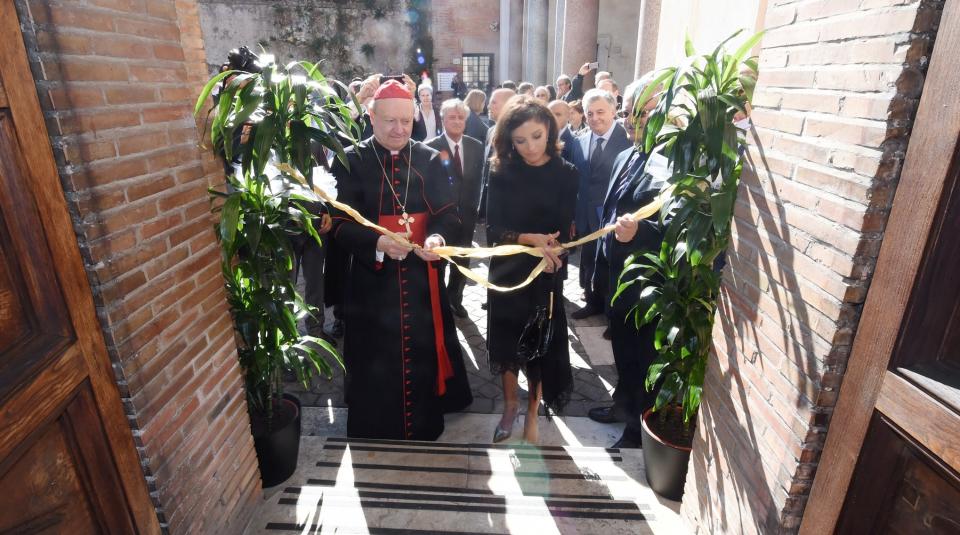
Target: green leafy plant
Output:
{"points": [[279, 115], [692, 126]]}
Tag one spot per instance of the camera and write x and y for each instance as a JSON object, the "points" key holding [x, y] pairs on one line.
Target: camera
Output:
{"points": [[397, 77], [242, 59]]}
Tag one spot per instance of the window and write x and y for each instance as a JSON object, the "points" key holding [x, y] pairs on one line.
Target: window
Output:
{"points": [[478, 71]]}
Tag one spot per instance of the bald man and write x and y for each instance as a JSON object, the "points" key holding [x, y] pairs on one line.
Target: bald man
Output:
{"points": [[561, 112], [497, 100]]}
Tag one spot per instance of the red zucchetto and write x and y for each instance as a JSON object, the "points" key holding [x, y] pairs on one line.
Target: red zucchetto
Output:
{"points": [[392, 89]]}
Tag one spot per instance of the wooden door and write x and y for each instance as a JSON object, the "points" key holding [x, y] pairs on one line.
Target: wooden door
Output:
{"points": [[67, 458], [891, 463]]}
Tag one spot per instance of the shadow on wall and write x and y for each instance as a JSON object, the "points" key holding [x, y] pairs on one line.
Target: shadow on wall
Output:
{"points": [[763, 307]]}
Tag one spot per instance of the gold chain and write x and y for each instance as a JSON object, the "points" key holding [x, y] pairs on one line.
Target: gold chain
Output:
{"points": [[406, 191]]}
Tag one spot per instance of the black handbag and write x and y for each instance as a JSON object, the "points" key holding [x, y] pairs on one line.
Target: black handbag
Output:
{"points": [[537, 334]]}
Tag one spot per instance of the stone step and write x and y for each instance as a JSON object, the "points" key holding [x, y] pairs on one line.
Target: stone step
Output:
{"points": [[383, 486]]}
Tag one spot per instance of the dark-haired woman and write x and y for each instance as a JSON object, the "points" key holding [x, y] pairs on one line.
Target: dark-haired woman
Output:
{"points": [[532, 195]]}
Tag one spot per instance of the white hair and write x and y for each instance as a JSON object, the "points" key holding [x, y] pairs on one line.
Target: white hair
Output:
{"points": [[427, 86], [595, 94], [453, 104]]}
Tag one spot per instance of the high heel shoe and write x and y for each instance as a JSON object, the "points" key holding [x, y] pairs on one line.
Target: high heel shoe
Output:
{"points": [[501, 433]]}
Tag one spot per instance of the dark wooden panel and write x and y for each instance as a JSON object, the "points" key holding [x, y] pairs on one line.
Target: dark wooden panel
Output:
{"points": [[14, 324], [900, 488], [929, 422], [44, 489], [41, 328]]}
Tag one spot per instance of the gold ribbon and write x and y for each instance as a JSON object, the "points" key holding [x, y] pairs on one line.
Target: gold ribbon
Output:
{"points": [[447, 252]]}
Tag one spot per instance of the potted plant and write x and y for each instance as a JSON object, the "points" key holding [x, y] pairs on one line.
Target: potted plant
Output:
{"points": [[277, 115], [693, 127]]}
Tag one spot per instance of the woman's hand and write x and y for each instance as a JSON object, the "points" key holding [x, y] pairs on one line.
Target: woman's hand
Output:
{"points": [[548, 244], [626, 228], [433, 241]]}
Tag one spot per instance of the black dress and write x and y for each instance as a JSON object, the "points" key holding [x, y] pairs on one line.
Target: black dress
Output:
{"points": [[527, 199]]}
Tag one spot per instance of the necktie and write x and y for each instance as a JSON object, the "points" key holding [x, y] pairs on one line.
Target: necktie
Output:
{"points": [[458, 166], [595, 157]]}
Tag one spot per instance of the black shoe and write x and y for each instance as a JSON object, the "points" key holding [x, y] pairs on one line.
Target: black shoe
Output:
{"points": [[606, 334], [337, 330], [483, 305], [604, 415], [586, 312], [458, 310], [629, 440]]}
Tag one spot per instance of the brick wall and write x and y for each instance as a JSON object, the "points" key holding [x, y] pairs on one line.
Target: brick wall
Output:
{"points": [[463, 27], [117, 80], [839, 85]]}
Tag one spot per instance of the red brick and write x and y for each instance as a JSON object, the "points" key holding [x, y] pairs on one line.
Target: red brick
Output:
{"points": [[122, 47], [89, 151], [852, 131], [164, 31], [69, 16], [164, 9], [109, 172], [72, 96], [168, 52], [167, 113], [149, 186], [63, 42], [129, 6], [131, 94], [87, 70], [155, 74], [146, 142]]}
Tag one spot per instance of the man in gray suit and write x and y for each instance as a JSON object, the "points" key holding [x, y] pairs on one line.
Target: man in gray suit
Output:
{"points": [[594, 154], [463, 158]]}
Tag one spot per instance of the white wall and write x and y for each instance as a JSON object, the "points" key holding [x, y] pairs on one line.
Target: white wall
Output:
{"points": [[617, 36], [708, 22]]}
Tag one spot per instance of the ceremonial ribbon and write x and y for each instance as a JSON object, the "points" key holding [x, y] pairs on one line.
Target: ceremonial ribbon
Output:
{"points": [[448, 251]]}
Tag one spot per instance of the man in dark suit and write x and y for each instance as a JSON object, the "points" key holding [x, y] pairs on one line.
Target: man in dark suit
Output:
{"points": [[635, 182], [569, 90], [594, 154], [463, 159], [561, 112], [497, 100]]}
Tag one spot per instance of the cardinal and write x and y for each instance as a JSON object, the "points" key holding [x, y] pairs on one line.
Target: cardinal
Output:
{"points": [[404, 365]]}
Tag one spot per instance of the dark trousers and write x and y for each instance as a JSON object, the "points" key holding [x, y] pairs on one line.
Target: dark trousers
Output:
{"points": [[457, 282], [633, 352], [309, 263], [596, 293]]}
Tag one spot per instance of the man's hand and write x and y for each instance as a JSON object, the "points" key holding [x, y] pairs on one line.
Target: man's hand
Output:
{"points": [[392, 248], [411, 85], [626, 228], [585, 69], [326, 223], [368, 87], [433, 241]]}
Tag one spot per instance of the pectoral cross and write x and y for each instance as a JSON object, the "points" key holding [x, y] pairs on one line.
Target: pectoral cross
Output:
{"points": [[405, 220]]}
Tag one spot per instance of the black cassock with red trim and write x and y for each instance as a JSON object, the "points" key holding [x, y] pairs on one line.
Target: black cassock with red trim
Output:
{"points": [[404, 363]]}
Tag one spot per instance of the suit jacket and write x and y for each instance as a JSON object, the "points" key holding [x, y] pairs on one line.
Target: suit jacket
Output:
{"points": [[595, 179], [420, 127], [569, 140], [576, 89], [466, 192], [476, 128], [631, 187]]}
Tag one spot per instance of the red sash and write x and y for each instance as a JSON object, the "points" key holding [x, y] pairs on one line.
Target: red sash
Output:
{"points": [[418, 228]]}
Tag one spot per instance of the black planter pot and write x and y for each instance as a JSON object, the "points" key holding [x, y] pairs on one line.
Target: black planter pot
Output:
{"points": [[277, 450], [665, 463]]}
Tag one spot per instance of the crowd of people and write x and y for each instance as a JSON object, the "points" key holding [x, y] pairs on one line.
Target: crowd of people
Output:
{"points": [[539, 166]]}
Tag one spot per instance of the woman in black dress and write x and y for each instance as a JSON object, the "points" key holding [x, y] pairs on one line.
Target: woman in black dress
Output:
{"points": [[532, 194]]}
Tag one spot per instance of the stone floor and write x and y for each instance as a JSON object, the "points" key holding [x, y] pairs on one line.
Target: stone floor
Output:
{"points": [[590, 356], [571, 482], [463, 485]]}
